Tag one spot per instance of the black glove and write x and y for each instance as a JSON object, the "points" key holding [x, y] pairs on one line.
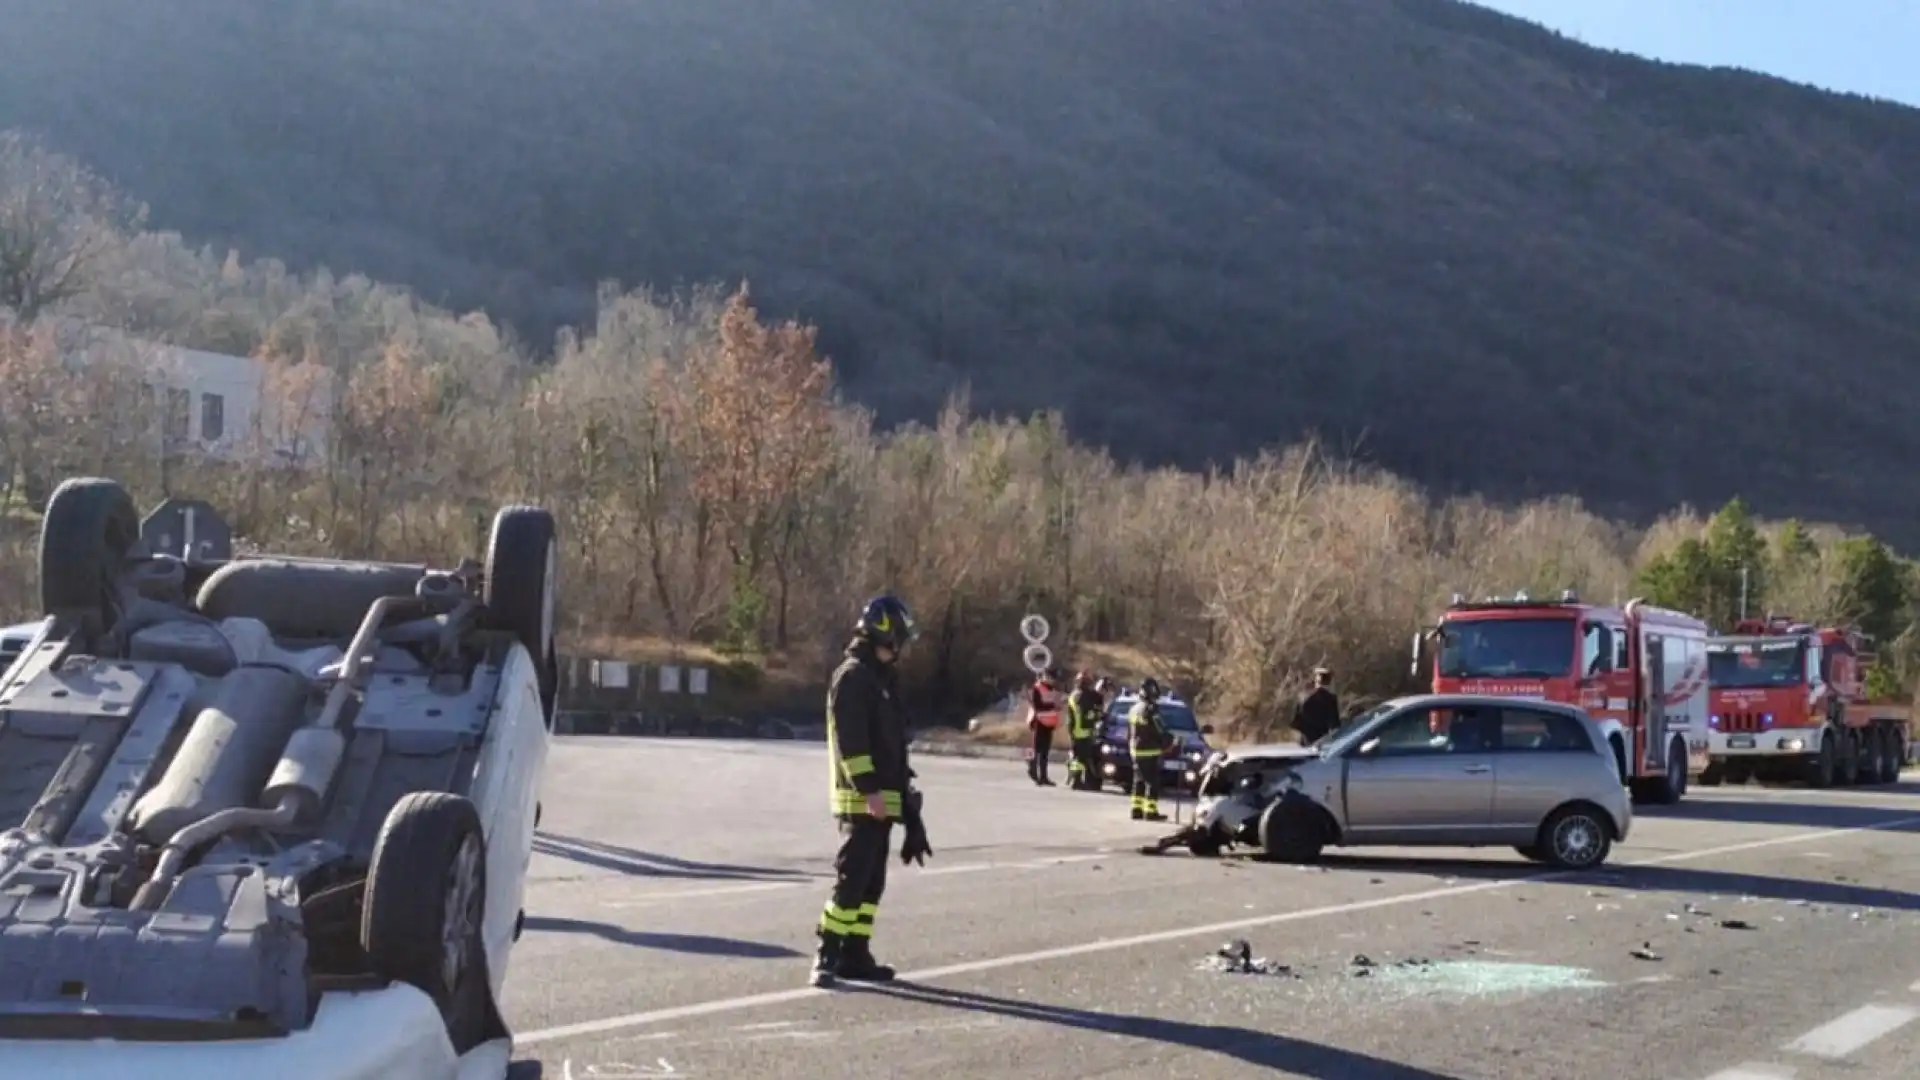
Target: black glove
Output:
{"points": [[915, 847]]}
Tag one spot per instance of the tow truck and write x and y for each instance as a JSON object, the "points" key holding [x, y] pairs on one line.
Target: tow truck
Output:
{"points": [[1640, 671], [1789, 701]]}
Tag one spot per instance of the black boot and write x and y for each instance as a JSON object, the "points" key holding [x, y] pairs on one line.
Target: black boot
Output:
{"points": [[827, 962], [858, 965]]}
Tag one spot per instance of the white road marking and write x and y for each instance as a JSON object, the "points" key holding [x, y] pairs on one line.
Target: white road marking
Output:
{"points": [[1754, 1072], [782, 997], [1848, 1034]]}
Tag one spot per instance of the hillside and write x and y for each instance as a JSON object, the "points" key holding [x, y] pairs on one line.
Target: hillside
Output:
{"points": [[1493, 258]]}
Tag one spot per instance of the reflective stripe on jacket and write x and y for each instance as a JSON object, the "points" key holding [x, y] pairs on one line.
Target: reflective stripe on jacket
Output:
{"points": [[1146, 735], [1084, 708], [866, 735]]}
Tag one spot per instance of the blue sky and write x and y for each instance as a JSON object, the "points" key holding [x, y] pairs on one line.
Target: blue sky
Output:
{"points": [[1861, 46]]}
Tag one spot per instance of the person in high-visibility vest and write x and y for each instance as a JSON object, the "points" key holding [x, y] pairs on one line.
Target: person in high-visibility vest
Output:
{"points": [[1146, 743], [1043, 705], [1085, 709]]}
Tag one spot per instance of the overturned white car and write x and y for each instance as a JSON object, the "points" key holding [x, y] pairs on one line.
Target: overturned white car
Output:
{"points": [[267, 814]]}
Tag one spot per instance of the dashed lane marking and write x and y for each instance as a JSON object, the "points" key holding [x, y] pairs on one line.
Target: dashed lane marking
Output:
{"points": [[1849, 1034]]}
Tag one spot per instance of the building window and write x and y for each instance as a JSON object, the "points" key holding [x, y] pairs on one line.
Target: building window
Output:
{"points": [[213, 417], [179, 415]]}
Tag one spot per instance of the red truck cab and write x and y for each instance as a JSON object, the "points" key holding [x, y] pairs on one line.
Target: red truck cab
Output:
{"points": [[1789, 701]]}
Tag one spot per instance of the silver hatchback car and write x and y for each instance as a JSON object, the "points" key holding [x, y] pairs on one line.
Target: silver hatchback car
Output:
{"points": [[1433, 770]]}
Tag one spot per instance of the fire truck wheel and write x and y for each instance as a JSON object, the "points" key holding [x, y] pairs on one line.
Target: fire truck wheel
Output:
{"points": [[1872, 755], [1576, 837], [1822, 766], [1852, 756], [1888, 741], [1669, 788]]}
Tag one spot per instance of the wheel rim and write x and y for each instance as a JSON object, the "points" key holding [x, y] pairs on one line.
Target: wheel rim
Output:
{"points": [[1576, 840], [460, 921]]}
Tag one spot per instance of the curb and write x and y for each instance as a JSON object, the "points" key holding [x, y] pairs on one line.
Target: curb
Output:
{"points": [[944, 748]]}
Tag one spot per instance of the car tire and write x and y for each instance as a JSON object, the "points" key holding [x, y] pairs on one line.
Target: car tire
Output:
{"points": [[1206, 846], [88, 530], [1291, 831], [523, 588], [423, 922], [1575, 838]]}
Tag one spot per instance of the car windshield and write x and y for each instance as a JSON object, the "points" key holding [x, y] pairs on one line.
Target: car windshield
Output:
{"points": [[1338, 736], [1754, 664], [1507, 648], [1176, 715]]}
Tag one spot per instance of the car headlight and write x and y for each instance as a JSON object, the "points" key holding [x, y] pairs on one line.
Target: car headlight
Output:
{"points": [[1108, 749]]}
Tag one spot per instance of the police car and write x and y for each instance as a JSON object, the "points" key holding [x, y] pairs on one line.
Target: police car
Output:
{"points": [[1180, 766]]}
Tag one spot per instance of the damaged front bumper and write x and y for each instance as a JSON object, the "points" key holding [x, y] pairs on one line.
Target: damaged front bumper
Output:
{"points": [[372, 1035]]}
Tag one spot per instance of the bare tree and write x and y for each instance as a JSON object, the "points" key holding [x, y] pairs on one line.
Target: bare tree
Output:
{"points": [[57, 219]]}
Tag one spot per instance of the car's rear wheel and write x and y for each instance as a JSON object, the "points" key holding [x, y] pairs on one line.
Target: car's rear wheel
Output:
{"points": [[423, 923], [523, 588], [1291, 831], [1575, 838], [89, 527]]}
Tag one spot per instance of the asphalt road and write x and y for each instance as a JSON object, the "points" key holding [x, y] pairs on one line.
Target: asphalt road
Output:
{"points": [[1748, 934]]}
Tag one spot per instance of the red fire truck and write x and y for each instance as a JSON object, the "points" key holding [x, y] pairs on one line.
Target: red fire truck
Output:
{"points": [[1640, 671], [1789, 701]]}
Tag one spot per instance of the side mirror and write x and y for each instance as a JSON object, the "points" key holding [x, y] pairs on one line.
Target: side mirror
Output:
{"points": [[1206, 729]]}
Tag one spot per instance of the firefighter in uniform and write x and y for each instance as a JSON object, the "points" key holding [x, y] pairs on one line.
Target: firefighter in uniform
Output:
{"points": [[1319, 711], [1146, 742], [1085, 708], [1043, 704], [867, 748]]}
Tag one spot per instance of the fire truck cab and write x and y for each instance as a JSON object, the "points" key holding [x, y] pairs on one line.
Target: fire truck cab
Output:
{"points": [[1639, 671], [1789, 701]]}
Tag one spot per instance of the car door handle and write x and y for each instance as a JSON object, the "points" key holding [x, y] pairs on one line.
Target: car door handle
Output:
{"points": [[1477, 769]]}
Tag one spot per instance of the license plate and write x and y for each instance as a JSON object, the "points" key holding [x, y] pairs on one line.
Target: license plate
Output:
{"points": [[1740, 742]]}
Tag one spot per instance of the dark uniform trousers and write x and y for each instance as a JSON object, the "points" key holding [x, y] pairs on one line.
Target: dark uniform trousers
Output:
{"points": [[859, 879], [1084, 772], [1146, 783]]}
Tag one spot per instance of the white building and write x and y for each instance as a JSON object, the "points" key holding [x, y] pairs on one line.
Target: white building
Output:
{"points": [[231, 407]]}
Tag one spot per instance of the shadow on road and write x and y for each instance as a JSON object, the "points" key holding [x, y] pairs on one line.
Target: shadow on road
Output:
{"points": [[1812, 815], [1727, 885], [691, 944], [1267, 1050], [648, 864]]}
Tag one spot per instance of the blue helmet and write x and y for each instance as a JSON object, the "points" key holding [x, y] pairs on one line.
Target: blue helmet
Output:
{"points": [[886, 621]]}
